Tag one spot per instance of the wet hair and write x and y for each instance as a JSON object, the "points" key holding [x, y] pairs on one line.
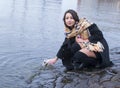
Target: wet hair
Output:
{"points": [[74, 15]]}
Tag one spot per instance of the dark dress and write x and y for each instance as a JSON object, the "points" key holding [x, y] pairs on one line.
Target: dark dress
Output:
{"points": [[69, 50], [96, 35], [65, 52]]}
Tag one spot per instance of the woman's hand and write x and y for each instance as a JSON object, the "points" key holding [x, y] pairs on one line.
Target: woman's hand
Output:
{"points": [[52, 61], [80, 40]]}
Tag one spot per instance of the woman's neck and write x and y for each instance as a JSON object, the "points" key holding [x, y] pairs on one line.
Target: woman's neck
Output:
{"points": [[70, 27]]}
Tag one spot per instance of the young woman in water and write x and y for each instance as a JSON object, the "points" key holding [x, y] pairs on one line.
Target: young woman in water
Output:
{"points": [[84, 44]]}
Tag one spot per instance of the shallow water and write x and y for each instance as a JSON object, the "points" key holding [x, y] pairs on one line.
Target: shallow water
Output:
{"points": [[31, 31]]}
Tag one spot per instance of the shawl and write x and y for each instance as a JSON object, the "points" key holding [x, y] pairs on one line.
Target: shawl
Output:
{"points": [[78, 29], [81, 28]]}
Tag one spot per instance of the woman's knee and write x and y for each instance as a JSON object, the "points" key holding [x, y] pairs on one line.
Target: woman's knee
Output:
{"points": [[81, 57], [88, 53], [78, 56]]}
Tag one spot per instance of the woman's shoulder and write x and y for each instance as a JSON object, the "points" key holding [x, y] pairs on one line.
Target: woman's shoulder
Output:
{"points": [[93, 26]]}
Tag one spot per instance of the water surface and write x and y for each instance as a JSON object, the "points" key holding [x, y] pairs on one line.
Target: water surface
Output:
{"points": [[31, 30]]}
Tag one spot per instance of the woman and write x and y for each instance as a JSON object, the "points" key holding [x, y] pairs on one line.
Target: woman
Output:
{"points": [[78, 50]]}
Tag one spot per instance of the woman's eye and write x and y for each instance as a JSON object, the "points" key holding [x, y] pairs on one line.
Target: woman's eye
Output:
{"points": [[66, 18], [71, 17]]}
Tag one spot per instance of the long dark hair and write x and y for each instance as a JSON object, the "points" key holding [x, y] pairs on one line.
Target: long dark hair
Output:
{"points": [[74, 15]]}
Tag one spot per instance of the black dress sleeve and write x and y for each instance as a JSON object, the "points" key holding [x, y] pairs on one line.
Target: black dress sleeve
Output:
{"points": [[65, 49], [95, 33], [61, 50]]}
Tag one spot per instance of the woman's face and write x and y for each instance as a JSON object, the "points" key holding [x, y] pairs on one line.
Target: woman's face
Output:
{"points": [[69, 20]]}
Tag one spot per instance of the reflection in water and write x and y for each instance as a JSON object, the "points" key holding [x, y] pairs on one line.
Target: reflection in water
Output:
{"points": [[118, 5], [71, 5], [13, 9], [87, 8], [101, 11], [23, 22]]}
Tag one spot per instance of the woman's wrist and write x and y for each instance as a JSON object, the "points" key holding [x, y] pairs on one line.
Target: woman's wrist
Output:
{"points": [[56, 58]]}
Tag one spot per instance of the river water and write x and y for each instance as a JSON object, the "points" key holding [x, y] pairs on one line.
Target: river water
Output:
{"points": [[33, 30]]}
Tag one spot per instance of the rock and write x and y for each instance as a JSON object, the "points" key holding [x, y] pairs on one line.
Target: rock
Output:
{"points": [[55, 77]]}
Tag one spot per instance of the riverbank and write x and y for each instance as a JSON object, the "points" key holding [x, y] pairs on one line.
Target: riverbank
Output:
{"points": [[55, 77]]}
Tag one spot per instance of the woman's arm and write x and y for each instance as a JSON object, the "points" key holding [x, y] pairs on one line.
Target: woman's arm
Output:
{"points": [[95, 33], [81, 41], [59, 53], [52, 61]]}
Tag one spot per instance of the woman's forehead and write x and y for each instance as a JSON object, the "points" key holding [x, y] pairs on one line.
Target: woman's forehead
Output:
{"points": [[68, 14]]}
